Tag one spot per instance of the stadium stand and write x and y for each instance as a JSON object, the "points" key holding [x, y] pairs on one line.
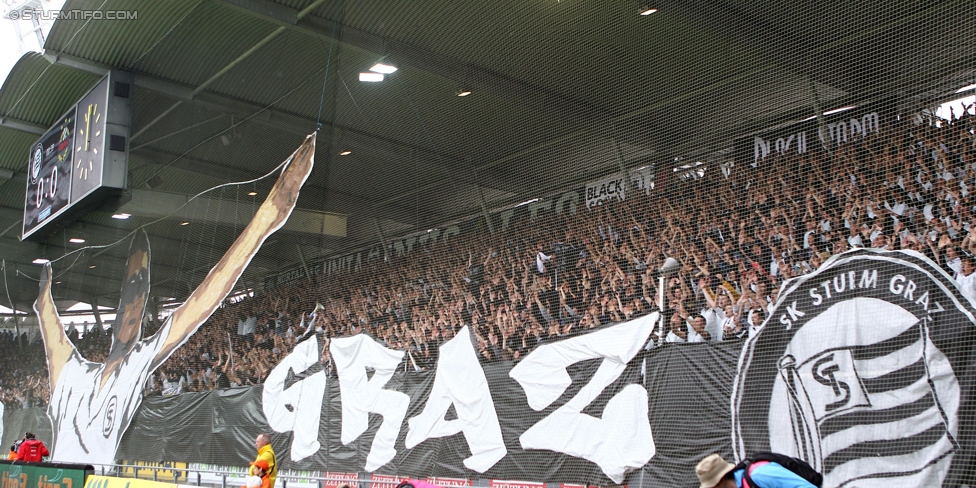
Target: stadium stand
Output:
{"points": [[906, 189]]}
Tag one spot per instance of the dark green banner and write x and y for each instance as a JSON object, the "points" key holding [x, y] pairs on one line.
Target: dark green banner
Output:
{"points": [[43, 475]]}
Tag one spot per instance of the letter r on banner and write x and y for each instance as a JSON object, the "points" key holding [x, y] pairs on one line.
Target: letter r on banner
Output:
{"points": [[298, 405], [622, 439], [362, 395], [461, 382]]}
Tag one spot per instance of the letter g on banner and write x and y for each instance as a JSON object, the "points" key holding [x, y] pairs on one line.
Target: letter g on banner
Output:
{"points": [[362, 396], [622, 439], [299, 404]]}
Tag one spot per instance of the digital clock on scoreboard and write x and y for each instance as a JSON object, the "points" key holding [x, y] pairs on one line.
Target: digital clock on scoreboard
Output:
{"points": [[82, 158]]}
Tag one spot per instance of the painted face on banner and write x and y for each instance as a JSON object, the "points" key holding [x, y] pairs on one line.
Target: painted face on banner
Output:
{"points": [[855, 372]]}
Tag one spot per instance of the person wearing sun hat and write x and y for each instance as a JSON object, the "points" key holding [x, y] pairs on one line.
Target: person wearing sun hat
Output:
{"points": [[715, 472], [712, 472]]}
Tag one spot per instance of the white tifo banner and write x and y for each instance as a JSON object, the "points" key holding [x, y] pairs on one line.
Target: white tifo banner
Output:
{"points": [[612, 187], [618, 442]]}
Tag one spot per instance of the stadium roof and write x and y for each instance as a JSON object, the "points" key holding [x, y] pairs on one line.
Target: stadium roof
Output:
{"points": [[562, 92]]}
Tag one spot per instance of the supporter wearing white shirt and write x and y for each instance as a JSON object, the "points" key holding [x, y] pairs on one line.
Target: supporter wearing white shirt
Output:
{"points": [[953, 261], [679, 330], [732, 325], [967, 276], [685, 331], [755, 321], [715, 313], [810, 234], [540, 260], [713, 327]]}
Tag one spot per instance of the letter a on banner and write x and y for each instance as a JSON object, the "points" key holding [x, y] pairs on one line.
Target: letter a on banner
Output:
{"points": [[361, 395], [298, 405], [622, 439], [461, 382]]}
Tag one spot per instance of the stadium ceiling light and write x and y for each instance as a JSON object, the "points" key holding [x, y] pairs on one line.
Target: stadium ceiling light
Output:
{"points": [[251, 193], [184, 223], [121, 216], [528, 202], [383, 68], [91, 267], [76, 240], [966, 88], [645, 10], [371, 77], [839, 110], [41, 261], [345, 153], [464, 93]]}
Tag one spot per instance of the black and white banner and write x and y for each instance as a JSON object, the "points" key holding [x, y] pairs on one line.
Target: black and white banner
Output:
{"points": [[809, 136], [865, 369], [573, 407], [614, 187]]}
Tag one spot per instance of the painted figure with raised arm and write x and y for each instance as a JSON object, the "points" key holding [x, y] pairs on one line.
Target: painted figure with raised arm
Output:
{"points": [[92, 403]]}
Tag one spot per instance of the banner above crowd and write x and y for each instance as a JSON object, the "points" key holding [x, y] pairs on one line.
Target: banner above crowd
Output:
{"points": [[613, 187], [809, 136]]}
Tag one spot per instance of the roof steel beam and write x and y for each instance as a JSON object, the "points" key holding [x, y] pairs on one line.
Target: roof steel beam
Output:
{"points": [[23, 126]]}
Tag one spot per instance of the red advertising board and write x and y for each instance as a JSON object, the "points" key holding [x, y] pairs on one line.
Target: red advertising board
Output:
{"points": [[385, 481], [515, 484], [333, 480], [448, 482]]}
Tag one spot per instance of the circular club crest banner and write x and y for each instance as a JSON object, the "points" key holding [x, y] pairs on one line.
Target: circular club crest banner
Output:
{"points": [[863, 371]]}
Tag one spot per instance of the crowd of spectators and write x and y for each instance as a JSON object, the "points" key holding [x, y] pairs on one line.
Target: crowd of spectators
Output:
{"points": [[23, 371], [737, 237]]}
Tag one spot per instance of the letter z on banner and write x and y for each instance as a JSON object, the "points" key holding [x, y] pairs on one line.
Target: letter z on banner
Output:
{"points": [[621, 440], [858, 373]]}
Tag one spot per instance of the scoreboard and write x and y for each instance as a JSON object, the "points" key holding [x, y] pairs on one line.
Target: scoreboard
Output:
{"points": [[81, 159]]}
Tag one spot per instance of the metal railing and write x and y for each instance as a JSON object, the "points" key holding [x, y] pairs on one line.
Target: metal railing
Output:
{"points": [[205, 477]]}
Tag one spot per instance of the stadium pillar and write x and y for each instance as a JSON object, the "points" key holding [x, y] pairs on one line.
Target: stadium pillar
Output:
{"points": [[98, 316], [620, 164], [301, 256], [386, 248], [484, 207], [821, 125]]}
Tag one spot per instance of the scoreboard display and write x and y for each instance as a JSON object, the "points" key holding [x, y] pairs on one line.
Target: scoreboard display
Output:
{"points": [[82, 158], [49, 175]]}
